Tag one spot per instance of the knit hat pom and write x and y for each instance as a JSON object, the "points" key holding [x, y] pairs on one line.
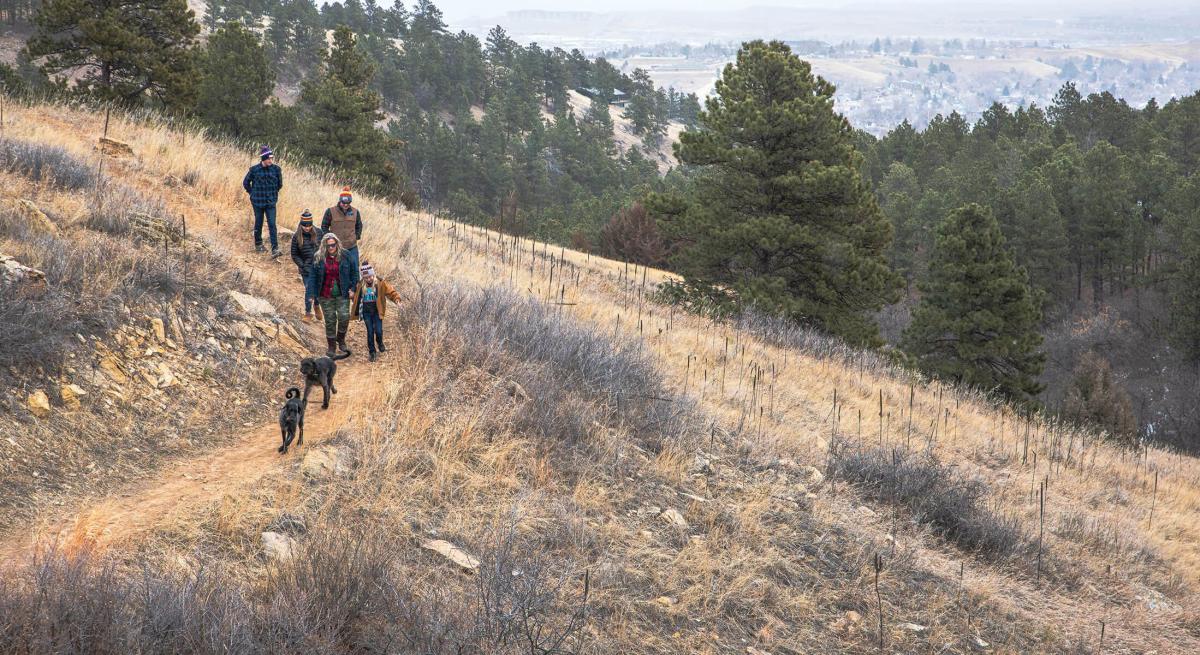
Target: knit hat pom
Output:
{"points": [[265, 153]]}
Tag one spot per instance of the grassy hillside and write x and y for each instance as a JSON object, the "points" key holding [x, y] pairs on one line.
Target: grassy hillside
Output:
{"points": [[618, 476]]}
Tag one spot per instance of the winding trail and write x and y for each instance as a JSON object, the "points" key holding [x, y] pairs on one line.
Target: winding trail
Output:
{"points": [[183, 488]]}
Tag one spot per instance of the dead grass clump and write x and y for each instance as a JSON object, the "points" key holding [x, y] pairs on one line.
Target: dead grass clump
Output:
{"points": [[573, 378], [341, 592], [953, 505], [45, 163]]}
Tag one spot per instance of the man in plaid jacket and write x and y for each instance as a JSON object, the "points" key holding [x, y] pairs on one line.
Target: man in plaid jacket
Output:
{"points": [[263, 182]]}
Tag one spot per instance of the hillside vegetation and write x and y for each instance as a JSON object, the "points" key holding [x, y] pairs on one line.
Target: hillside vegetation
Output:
{"points": [[617, 476]]}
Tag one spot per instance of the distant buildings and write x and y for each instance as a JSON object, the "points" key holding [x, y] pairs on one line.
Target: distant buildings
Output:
{"points": [[618, 98]]}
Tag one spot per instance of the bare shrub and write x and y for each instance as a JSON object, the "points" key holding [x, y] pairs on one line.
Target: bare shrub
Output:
{"points": [[632, 235], [1097, 399], [44, 163], [938, 496], [342, 592]]}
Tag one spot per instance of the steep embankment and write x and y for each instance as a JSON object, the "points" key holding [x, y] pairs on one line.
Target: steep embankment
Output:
{"points": [[727, 488]]}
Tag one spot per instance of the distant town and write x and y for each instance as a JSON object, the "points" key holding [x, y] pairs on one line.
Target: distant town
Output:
{"points": [[885, 81]]}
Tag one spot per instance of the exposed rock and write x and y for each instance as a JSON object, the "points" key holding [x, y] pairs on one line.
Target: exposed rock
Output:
{"points": [[913, 627], [1155, 601], [865, 511], [39, 404], [252, 305], [241, 330], [701, 464], [665, 601], [176, 325], [648, 510], [71, 393], [812, 477], [278, 547], [674, 518], [114, 370], [14, 272], [33, 217], [159, 329], [979, 643], [322, 462], [453, 553], [113, 148]]}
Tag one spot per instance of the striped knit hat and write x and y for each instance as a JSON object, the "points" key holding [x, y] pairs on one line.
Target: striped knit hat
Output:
{"points": [[306, 218], [366, 269], [265, 153], [346, 197]]}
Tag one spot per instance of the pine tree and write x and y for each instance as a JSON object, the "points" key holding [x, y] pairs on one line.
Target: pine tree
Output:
{"points": [[977, 320], [128, 51], [780, 218], [235, 80], [338, 113]]}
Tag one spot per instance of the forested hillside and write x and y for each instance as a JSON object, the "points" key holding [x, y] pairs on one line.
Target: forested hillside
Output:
{"points": [[1099, 202], [388, 96]]}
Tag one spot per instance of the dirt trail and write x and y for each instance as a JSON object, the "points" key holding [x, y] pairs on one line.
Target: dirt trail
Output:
{"points": [[186, 487]]}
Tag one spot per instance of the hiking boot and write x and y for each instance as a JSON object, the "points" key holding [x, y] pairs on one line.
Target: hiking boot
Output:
{"points": [[341, 342], [330, 344], [382, 348], [371, 357], [276, 253], [308, 317], [258, 247]]}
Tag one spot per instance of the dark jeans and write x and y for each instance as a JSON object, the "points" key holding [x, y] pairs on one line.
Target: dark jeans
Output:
{"points": [[374, 330], [308, 274], [269, 213], [352, 254]]}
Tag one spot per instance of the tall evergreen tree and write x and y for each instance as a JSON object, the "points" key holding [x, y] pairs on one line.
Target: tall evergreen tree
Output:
{"points": [[338, 113], [128, 51], [780, 217], [977, 320], [235, 80]]}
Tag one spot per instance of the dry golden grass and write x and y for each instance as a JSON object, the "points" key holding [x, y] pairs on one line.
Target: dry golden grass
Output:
{"points": [[761, 564]]}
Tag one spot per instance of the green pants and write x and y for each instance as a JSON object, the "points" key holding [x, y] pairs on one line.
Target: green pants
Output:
{"points": [[337, 316]]}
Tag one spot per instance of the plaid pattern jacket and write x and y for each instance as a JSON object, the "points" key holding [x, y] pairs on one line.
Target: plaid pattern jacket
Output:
{"points": [[263, 184]]}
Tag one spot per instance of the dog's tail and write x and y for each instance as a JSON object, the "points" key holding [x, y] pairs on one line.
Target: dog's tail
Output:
{"points": [[341, 356], [293, 392]]}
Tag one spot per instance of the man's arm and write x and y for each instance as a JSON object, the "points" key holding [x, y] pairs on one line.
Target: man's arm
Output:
{"points": [[246, 180], [326, 220], [280, 174], [358, 224]]}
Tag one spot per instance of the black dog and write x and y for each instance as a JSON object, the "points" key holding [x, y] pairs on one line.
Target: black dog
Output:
{"points": [[320, 370], [291, 419]]}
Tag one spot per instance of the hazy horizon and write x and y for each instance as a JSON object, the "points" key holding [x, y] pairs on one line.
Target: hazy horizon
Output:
{"points": [[462, 10]]}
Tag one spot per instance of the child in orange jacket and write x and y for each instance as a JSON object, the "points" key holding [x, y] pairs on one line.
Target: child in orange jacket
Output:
{"points": [[369, 303]]}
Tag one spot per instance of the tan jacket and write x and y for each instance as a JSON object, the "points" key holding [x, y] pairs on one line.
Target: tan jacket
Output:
{"points": [[385, 293]]}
